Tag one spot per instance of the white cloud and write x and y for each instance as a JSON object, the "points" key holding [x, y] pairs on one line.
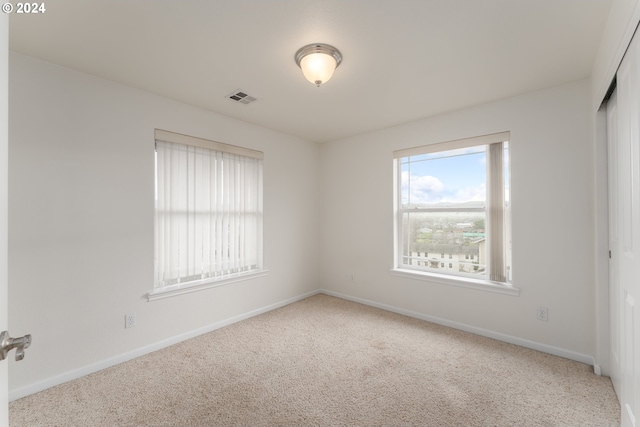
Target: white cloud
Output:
{"points": [[468, 194], [423, 189], [426, 189]]}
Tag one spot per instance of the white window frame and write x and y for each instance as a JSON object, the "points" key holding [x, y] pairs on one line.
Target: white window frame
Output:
{"points": [[231, 171], [498, 278]]}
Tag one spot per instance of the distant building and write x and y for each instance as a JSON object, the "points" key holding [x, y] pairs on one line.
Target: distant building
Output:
{"points": [[465, 258], [463, 225]]}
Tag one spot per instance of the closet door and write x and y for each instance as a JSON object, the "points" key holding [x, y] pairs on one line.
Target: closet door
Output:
{"points": [[627, 252], [615, 299]]}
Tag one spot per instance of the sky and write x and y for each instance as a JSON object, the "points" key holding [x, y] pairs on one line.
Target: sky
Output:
{"points": [[453, 176]]}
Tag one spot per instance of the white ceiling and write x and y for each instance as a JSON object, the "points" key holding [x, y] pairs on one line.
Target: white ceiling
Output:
{"points": [[403, 59]]}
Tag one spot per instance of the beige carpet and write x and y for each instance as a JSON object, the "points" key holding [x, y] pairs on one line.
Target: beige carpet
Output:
{"points": [[324, 361]]}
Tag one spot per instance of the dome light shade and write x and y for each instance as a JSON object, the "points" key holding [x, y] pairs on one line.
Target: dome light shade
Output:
{"points": [[318, 67], [318, 61]]}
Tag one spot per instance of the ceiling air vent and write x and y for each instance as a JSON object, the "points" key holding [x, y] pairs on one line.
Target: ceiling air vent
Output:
{"points": [[241, 97]]}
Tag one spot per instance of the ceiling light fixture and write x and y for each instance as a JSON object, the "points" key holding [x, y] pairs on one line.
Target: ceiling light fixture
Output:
{"points": [[318, 62]]}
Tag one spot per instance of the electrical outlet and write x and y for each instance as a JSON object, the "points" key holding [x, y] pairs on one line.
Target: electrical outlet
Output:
{"points": [[543, 313], [129, 320]]}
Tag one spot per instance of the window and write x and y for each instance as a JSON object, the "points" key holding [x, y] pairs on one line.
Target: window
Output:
{"points": [[208, 213], [453, 197]]}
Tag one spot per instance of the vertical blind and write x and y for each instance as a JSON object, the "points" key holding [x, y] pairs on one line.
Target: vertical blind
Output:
{"points": [[208, 210], [496, 212]]}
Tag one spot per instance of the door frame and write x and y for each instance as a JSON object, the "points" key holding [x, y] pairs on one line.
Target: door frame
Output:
{"points": [[4, 208]]}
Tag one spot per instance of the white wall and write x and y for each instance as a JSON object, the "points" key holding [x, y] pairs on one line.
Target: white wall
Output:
{"points": [[552, 210], [81, 220]]}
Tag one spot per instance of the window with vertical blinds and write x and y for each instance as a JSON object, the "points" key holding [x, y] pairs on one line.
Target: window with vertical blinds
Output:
{"points": [[208, 213], [453, 198]]}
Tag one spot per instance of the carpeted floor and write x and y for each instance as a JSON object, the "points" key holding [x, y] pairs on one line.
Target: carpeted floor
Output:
{"points": [[325, 361]]}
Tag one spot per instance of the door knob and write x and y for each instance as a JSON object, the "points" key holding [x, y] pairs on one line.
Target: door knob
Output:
{"points": [[7, 344]]}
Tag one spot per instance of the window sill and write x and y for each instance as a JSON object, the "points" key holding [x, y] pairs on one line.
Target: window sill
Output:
{"points": [[200, 285], [478, 284]]}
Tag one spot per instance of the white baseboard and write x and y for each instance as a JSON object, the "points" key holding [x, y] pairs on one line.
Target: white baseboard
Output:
{"points": [[597, 370], [556, 351], [107, 363]]}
